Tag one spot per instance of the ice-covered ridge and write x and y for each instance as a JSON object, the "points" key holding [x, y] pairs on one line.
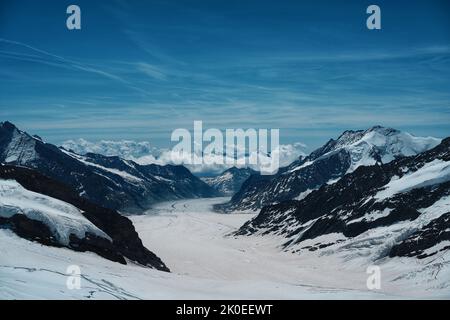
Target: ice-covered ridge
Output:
{"points": [[434, 172], [306, 164], [123, 174], [21, 148], [436, 210], [60, 217]]}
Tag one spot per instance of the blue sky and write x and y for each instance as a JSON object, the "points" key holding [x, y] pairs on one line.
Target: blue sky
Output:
{"points": [[139, 69]]}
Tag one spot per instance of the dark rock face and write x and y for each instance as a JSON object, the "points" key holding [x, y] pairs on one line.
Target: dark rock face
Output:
{"points": [[435, 232], [343, 207], [126, 242], [230, 181], [99, 245], [110, 182], [29, 229], [325, 165], [34, 230]]}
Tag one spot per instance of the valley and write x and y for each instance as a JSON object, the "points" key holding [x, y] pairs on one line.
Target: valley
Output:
{"points": [[206, 263]]}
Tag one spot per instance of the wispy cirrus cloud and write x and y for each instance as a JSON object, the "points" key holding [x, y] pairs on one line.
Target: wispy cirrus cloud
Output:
{"points": [[45, 57], [151, 70], [40, 56]]}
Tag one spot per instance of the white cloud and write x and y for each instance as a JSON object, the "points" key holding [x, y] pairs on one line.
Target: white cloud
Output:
{"points": [[127, 149], [143, 152]]}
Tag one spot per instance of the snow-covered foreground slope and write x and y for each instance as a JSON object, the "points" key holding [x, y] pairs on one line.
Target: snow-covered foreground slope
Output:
{"points": [[207, 264], [38, 208], [32, 271], [60, 217]]}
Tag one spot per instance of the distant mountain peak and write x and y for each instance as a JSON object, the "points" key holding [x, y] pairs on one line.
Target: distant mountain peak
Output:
{"points": [[8, 125], [230, 181], [382, 128], [357, 134]]}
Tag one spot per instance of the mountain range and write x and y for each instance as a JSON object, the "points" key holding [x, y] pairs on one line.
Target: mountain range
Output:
{"points": [[401, 208], [108, 181], [376, 193], [326, 165]]}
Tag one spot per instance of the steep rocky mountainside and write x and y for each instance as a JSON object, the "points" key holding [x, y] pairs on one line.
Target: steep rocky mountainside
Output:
{"points": [[110, 182], [396, 209]]}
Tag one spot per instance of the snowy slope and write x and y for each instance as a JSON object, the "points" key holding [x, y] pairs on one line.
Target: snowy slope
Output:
{"points": [[377, 144], [208, 264], [327, 165], [61, 218], [20, 147], [38, 208], [431, 173]]}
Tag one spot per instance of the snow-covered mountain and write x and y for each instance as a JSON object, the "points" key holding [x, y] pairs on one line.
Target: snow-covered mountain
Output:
{"points": [[229, 181], [401, 208], [127, 149], [326, 165], [111, 182], [40, 209]]}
